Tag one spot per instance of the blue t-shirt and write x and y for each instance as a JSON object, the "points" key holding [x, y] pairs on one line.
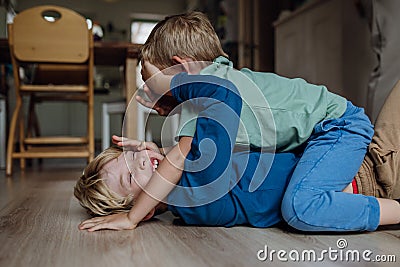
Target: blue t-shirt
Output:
{"points": [[221, 186]]}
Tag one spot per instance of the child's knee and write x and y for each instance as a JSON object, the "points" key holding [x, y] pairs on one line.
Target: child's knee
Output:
{"points": [[299, 208]]}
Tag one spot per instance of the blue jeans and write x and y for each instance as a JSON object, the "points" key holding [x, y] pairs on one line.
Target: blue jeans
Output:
{"points": [[314, 200]]}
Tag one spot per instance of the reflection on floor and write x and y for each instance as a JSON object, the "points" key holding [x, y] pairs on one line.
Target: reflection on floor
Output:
{"points": [[39, 218]]}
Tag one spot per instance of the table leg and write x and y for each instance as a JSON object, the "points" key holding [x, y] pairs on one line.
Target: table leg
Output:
{"points": [[130, 121]]}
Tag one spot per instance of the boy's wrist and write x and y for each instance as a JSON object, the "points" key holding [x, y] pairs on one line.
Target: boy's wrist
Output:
{"points": [[132, 217], [160, 84]]}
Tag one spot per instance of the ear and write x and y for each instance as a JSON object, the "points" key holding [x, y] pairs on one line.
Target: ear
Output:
{"points": [[149, 215]]}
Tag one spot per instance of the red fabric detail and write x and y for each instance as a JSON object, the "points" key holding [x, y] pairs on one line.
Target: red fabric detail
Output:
{"points": [[355, 188]]}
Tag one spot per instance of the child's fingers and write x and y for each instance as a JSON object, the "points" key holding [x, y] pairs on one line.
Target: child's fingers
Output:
{"points": [[125, 142], [99, 227], [131, 143], [119, 221], [116, 139], [84, 226], [90, 222], [152, 146], [145, 146], [159, 157], [155, 154], [119, 140], [150, 94], [94, 226], [148, 146]]}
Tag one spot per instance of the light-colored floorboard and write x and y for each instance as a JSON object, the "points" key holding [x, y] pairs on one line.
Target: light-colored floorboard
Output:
{"points": [[39, 218]]}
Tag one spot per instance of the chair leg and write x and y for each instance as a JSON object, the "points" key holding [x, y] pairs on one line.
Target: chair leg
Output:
{"points": [[29, 129], [90, 129], [33, 128], [22, 161], [33, 124], [11, 136]]}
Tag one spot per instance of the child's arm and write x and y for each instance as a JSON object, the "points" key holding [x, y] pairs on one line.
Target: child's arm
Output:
{"points": [[158, 82], [161, 183], [163, 104], [220, 100]]}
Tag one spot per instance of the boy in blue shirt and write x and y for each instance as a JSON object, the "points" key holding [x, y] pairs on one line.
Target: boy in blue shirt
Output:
{"points": [[331, 133], [214, 186]]}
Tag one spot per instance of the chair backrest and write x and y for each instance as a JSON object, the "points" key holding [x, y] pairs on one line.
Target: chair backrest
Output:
{"points": [[50, 34]]}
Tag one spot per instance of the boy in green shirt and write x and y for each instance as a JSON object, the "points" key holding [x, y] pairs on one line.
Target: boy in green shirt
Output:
{"points": [[330, 133], [277, 113]]}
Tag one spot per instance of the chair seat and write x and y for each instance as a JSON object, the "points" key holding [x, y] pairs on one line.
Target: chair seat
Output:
{"points": [[54, 88], [54, 152]]}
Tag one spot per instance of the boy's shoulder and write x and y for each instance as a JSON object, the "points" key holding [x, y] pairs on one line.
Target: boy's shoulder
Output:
{"points": [[222, 67]]}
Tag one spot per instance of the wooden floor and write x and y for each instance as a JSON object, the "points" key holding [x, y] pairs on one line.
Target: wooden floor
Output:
{"points": [[39, 218]]}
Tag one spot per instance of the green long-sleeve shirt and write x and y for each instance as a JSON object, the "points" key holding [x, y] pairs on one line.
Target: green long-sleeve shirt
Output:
{"points": [[277, 113]]}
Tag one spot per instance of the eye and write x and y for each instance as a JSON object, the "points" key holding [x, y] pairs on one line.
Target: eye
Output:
{"points": [[130, 178]]}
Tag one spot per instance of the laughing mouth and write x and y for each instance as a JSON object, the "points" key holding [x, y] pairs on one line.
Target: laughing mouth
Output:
{"points": [[155, 163]]}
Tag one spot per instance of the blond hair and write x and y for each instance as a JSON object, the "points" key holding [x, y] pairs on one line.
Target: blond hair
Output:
{"points": [[93, 193], [186, 35]]}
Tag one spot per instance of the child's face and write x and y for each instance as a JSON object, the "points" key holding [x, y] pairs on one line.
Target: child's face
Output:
{"points": [[125, 180]]}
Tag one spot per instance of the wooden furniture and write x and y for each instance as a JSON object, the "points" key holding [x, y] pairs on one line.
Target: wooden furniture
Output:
{"points": [[326, 42], [55, 44], [107, 53], [2, 132]]}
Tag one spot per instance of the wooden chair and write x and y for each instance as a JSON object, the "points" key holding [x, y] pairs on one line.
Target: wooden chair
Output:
{"points": [[57, 46]]}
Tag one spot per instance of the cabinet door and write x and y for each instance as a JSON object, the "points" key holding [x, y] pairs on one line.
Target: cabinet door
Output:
{"points": [[324, 44], [290, 48]]}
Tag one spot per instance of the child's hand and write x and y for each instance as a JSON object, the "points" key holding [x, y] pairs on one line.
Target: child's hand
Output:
{"points": [[148, 70], [164, 105], [119, 221], [134, 145]]}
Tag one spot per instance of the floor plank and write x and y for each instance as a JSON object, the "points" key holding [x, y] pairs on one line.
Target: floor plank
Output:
{"points": [[39, 218]]}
